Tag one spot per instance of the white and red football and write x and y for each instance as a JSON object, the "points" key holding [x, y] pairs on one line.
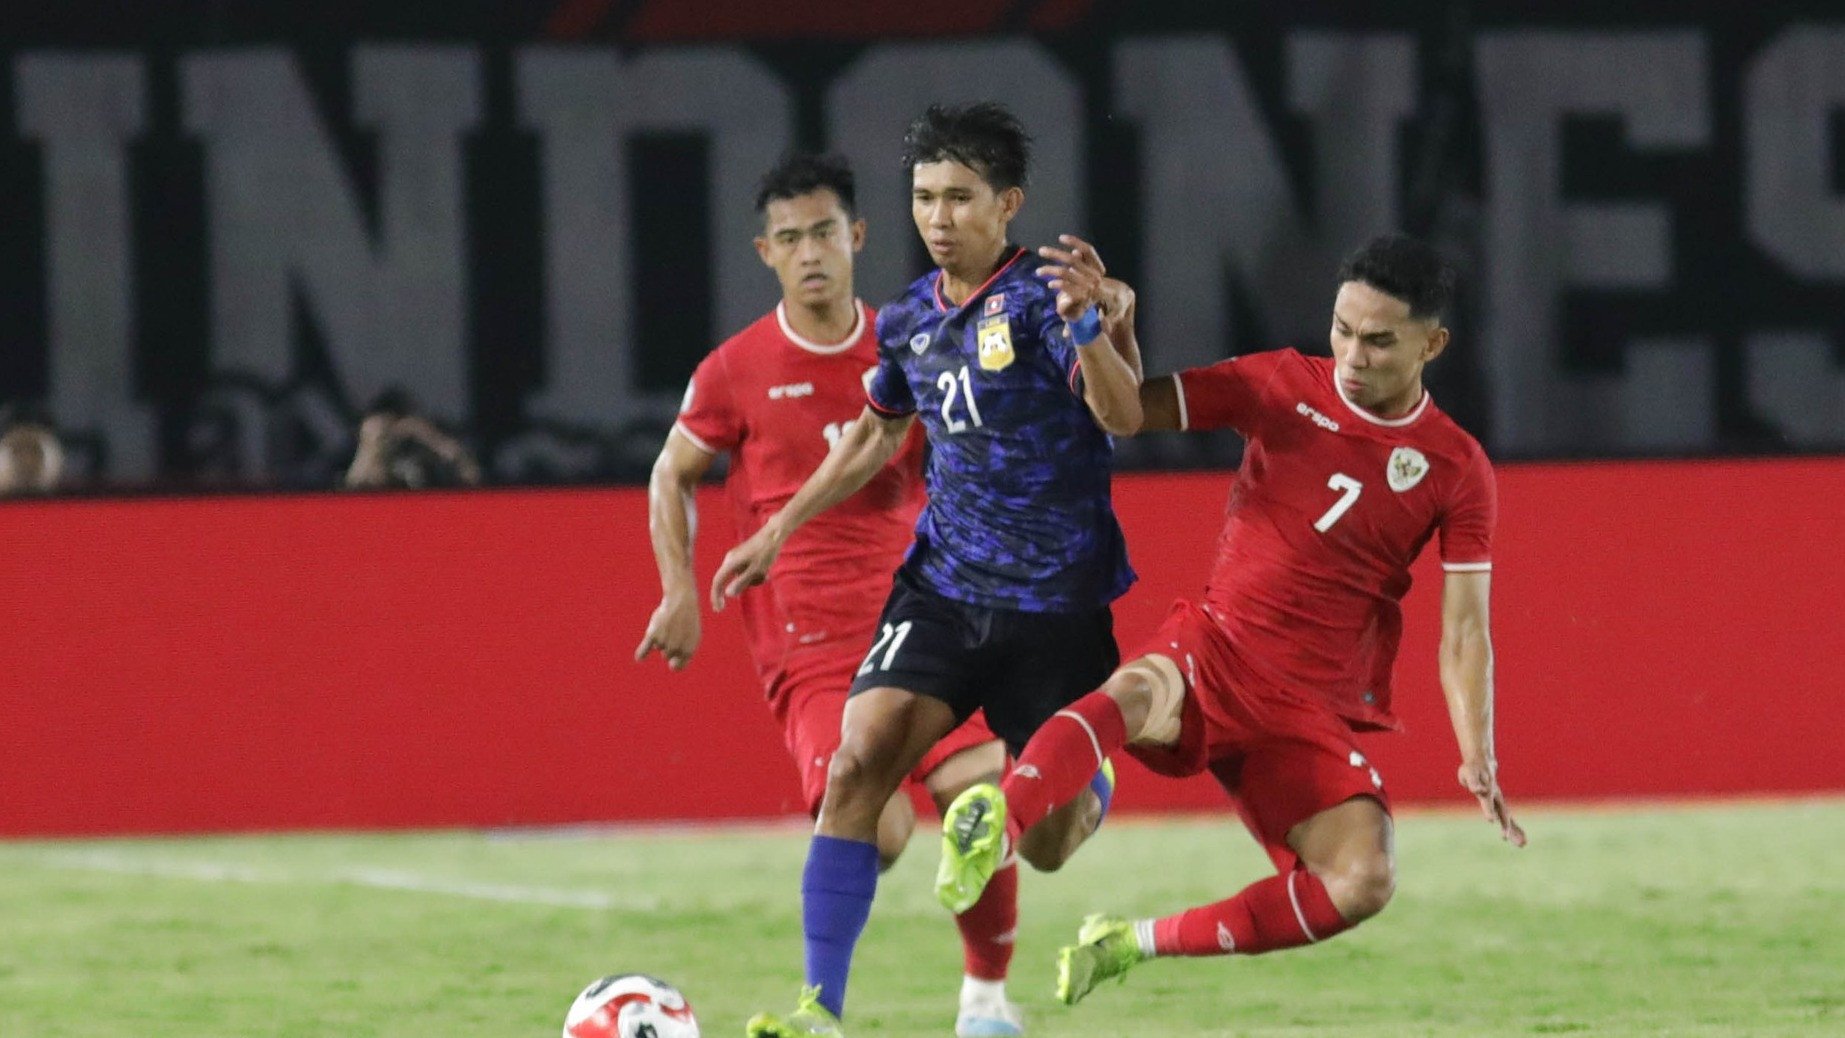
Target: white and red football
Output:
{"points": [[630, 1005]]}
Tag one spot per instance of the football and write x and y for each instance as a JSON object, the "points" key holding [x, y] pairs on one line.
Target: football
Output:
{"points": [[630, 1005]]}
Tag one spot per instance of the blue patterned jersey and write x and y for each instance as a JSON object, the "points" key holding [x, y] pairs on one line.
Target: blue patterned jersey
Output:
{"points": [[1019, 515]]}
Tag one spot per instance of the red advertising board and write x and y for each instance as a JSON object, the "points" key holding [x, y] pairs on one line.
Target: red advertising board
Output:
{"points": [[1662, 629]]}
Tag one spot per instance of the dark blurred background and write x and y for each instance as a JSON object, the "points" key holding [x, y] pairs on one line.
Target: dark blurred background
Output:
{"points": [[230, 226]]}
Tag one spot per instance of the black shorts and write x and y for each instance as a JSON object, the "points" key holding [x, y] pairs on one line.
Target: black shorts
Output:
{"points": [[1020, 667]]}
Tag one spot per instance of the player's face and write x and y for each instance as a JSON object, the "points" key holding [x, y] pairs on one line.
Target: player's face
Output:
{"points": [[960, 217], [1379, 349], [808, 240]]}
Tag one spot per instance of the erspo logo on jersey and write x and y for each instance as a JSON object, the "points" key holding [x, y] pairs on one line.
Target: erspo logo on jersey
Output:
{"points": [[1318, 419]]}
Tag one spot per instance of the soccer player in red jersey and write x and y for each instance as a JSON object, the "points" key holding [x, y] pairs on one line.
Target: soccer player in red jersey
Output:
{"points": [[774, 397], [1350, 470]]}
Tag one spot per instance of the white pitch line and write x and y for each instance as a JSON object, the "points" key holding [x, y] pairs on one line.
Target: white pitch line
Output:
{"points": [[203, 871], [385, 879], [377, 879]]}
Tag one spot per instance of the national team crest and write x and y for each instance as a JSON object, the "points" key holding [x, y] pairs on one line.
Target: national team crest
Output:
{"points": [[995, 343], [1405, 468]]}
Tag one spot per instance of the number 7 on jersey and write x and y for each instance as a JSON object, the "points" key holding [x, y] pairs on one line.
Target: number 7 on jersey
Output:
{"points": [[1349, 489]]}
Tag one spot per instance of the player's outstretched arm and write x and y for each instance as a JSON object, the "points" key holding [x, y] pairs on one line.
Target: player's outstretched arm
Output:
{"points": [[1111, 384], [672, 520], [1159, 405], [862, 450], [1467, 682]]}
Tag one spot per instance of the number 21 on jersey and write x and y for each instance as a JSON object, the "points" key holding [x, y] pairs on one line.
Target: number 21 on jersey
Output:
{"points": [[951, 384]]}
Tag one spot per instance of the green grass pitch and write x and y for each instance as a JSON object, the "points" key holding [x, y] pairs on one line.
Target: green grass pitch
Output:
{"points": [[1723, 919]]}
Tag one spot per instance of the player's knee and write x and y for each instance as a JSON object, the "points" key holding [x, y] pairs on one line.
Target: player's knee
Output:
{"points": [[849, 771], [1132, 690], [859, 771], [1362, 886]]}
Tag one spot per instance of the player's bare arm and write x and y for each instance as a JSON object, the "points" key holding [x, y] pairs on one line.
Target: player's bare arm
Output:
{"points": [[1111, 383], [1116, 301], [1467, 682], [672, 521], [863, 448], [1159, 405]]}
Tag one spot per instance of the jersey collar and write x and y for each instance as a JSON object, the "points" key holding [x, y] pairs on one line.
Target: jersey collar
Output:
{"points": [[942, 303], [851, 339], [1393, 423]]}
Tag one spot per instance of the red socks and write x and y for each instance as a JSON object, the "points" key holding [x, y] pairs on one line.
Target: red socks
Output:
{"points": [[988, 928], [1279, 912], [1060, 759]]}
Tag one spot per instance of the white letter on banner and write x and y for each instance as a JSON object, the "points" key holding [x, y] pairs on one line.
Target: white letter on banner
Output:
{"points": [[1216, 190], [286, 221], [85, 110], [1541, 245], [1792, 93], [584, 104]]}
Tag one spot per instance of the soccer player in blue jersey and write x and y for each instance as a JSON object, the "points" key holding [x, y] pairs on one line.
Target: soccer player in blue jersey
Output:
{"points": [[1003, 600]]}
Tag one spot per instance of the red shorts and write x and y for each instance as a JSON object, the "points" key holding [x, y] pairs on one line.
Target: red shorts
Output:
{"points": [[1282, 756], [809, 698]]}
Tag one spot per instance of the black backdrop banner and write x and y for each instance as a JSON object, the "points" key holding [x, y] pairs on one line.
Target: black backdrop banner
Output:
{"points": [[231, 225]]}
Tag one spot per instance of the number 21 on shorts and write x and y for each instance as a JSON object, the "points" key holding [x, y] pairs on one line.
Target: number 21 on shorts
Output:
{"points": [[889, 641]]}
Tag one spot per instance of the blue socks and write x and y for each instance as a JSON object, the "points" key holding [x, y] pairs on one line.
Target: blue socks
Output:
{"points": [[836, 891]]}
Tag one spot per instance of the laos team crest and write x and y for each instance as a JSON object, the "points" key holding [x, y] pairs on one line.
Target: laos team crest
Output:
{"points": [[995, 335], [1405, 468]]}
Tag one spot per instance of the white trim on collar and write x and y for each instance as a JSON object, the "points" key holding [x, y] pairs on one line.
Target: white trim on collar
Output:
{"points": [[1414, 412], [858, 329]]}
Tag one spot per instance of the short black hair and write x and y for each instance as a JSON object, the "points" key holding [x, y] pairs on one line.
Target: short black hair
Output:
{"points": [[1406, 268], [804, 172], [985, 137]]}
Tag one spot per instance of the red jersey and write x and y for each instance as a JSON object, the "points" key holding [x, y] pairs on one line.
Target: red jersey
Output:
{"points": [[776, 402], [1329, 508]]}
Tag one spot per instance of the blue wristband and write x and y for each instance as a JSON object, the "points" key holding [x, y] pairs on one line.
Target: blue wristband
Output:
{"points": [[1085, 329]]}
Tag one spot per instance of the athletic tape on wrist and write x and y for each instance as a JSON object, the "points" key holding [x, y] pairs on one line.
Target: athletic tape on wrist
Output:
{"points": [[1085, 329]]}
